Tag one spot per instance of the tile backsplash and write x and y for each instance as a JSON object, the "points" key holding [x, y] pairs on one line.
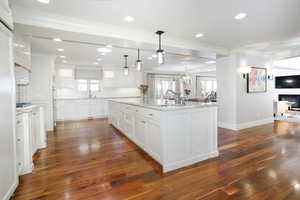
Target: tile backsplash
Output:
{"points": [[21, 93]]}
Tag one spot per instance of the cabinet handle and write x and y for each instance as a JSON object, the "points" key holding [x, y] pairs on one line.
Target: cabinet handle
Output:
{"points": [[150, 114], [18, 122], [18, 139], [143, 122], [19, 163], [136, 111]]}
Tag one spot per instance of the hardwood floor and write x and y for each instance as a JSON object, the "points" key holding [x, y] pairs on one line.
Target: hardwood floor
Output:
{"points": [[92, 160]]}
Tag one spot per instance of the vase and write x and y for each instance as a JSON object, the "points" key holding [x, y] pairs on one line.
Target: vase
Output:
{"points": [[144, 98]]}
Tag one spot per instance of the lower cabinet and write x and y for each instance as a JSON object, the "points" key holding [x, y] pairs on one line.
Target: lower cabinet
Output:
{"points": [[175, 138], [137, 126], [30, 135], [140, 132], [77, 109], [153, 138]]}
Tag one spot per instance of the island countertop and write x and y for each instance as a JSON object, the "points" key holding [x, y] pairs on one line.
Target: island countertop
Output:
{"points": [[161, 106]]}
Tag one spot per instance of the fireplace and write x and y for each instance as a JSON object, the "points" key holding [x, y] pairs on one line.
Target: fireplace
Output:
{"points": [[291, 98]]}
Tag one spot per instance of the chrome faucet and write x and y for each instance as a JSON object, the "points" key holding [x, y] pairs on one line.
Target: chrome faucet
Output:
{"points": [[178, 99]]}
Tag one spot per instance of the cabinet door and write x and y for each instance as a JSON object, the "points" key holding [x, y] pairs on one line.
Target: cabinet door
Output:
{"points": [[34, 131], [140, 132], [20, 148], [129, 124], [153, 144]]}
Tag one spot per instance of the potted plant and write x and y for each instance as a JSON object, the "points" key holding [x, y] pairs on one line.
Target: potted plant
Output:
{"points": [[187, 92]]}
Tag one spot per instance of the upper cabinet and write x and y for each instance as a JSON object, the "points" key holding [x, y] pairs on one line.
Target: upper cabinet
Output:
{"points": [[22, 51], [5, 13]]}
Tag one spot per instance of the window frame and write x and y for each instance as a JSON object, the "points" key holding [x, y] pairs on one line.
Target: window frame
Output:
{"points": [[88, 85]]}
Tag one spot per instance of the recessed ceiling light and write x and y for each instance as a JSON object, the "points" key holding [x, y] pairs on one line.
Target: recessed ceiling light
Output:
{"points": [[99, 59], [57, 40], [44, 1], [103, 54], [62, 56], [104, 50], [210, 62], [198, 35], [61, 50], [64, 61], [109, 46], [96, 63], [129, 19], [240, 16]]}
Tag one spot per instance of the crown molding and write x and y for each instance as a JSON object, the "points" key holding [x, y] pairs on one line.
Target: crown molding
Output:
{"points": [[49, 20], [6, 15]]}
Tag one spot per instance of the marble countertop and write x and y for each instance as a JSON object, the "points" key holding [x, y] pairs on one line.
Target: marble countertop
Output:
{"points": [[26, 108], [86, 98], [161, 106]]}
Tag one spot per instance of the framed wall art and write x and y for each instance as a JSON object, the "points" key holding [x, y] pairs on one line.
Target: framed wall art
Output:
{"points": [[257, 80]]}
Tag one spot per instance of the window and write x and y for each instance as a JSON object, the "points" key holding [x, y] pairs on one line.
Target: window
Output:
{"points": [[86, 85], [94, 85], [82, 85], [206, 86], [161, 83]]}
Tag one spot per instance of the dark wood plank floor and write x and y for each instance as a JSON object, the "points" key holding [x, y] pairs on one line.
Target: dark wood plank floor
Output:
{"points": [[92, 160]]}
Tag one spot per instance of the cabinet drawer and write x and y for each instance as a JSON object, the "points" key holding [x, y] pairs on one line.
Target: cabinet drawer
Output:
{"points": [[152, 114], [148, 113], [19, 120]]}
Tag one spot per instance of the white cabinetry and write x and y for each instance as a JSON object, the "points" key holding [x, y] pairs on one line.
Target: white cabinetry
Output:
{"points": [[154, 139], [31, 136], [140, 132], [22, 51], [174, 138], [77, 109]]}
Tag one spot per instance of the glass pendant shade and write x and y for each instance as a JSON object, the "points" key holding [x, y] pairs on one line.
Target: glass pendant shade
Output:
{"points": [[160, 57], [126, 68], [139, 62], [139, 65], [160, 52], [126, 71]]}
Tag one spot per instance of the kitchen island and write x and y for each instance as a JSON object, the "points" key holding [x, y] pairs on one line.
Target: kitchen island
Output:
{"points": [[174, 135]]}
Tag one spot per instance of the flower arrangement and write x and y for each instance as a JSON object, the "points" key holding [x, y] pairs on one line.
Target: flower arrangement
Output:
{"points": [[187, 92], [144, 89]]}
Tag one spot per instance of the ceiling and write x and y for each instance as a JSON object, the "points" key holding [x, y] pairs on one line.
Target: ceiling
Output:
{"points": [[81, 49], [267, 20]]}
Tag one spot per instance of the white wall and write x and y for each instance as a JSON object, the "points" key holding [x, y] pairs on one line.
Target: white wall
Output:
{"points": [[41, 83], [118, 86], [253, 107], [237, 108], [226, 81]]}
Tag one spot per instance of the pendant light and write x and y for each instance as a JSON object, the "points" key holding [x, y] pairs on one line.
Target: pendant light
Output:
{"points": [[160, 52], [126, 68], [139, 62]]}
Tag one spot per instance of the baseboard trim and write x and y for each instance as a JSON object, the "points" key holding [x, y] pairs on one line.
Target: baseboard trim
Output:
{"points": [[190, 161], [254, 123], [12, 189], [237, 127], [78, 119], [227, 126]]}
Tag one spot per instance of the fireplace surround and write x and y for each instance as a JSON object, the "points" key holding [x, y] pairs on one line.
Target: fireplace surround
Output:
{"points": [[291, 98]]}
